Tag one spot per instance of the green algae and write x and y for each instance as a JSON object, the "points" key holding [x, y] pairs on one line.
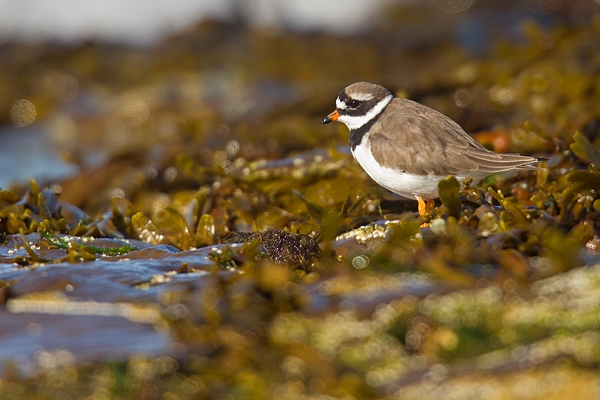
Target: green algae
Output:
{"points": [[63, 243], [449, 189], [584, 149]]}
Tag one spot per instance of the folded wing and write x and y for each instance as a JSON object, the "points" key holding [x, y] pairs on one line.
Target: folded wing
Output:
{"points": [[419, 140]]}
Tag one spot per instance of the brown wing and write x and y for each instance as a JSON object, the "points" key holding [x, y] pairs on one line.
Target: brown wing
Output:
{"points": [[421, 141]]}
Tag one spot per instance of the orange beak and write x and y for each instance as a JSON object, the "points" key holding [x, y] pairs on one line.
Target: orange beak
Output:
{"points": [[331, 117]]}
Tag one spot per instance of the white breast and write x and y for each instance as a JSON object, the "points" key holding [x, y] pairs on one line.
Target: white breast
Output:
{"points": [[400, 182]]}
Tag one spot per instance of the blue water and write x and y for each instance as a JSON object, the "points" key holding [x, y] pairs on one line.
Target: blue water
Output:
{"points": [[27, 152]]}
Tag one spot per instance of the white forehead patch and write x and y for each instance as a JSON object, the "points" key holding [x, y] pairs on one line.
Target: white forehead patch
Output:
{"points": [[340, 104], [362, 96]]}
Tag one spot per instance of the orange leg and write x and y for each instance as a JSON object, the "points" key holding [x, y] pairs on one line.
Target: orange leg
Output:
{"points": [[425, 208], [422, 205]]}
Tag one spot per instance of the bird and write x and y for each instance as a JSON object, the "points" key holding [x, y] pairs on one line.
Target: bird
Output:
{"points": [[407, 147]]}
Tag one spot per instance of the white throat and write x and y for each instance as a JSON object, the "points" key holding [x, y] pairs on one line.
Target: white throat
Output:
{"points": [[357, 121]]}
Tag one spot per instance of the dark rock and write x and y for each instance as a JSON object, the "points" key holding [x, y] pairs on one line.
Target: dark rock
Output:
{"points": [[283, 247]]}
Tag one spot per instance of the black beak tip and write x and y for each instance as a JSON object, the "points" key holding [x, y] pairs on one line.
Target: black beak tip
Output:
{"points": [[326, 120]]}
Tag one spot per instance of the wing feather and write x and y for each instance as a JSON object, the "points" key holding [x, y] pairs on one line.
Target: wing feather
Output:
{"points": [[416, 139]]}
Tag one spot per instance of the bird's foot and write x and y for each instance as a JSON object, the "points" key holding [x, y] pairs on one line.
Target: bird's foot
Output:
{"points": [[425, 208]]}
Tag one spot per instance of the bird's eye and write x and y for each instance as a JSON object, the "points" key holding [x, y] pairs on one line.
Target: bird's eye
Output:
{"points": [[353, 103]]}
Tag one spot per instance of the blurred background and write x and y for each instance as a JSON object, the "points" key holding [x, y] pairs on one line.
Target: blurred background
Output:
{"points": [[132, 84]]}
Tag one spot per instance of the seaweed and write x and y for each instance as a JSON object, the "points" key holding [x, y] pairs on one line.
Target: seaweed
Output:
{"points": [[269, 262]]}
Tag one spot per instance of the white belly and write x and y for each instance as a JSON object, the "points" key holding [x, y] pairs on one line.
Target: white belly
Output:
{"points": [[400, 182]]}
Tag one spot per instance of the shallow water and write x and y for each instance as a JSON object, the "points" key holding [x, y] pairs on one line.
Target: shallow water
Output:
{"points": [[29, 153], [91, 311], [114, 307]]}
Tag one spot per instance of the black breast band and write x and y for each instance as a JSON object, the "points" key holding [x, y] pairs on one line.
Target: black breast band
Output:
{"points": [[356, 135]]}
